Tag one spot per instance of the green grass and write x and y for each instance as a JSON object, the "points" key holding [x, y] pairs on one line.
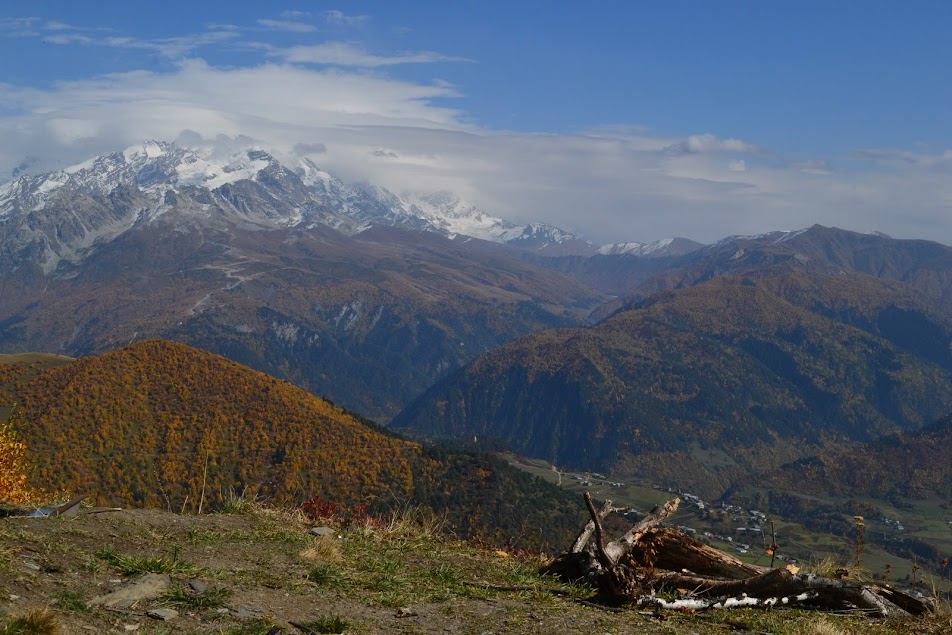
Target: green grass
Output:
{"points": [[255, 627], [137, 565], [183, 597], [234, 502], [330, 576], [331, 624], [406, 566], [71, 601]]}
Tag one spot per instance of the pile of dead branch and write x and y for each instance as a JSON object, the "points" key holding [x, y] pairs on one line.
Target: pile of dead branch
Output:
{"points": [[666, 569]]}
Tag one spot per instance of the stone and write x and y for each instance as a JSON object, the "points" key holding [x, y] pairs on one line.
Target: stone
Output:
{"points": [[162, 614], [246, 613], [322, 531], [198, 586], [148, 587]]}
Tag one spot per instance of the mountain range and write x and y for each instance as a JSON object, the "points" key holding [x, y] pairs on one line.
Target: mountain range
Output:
{"points": [[350, 291], [751, 352]]}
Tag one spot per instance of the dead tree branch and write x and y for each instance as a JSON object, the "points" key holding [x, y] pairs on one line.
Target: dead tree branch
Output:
{"points": [[648, 560]]}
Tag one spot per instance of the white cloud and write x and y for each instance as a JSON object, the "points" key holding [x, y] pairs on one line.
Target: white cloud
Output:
{"points": [[66, 34], [621, 183], [708, 143], [295, 15], [19, 27], [292, 26], [345, 54], [340, 18]]}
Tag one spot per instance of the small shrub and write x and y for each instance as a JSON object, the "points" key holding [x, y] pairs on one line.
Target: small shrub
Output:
{"points": [[316, 508], [243, 503]]}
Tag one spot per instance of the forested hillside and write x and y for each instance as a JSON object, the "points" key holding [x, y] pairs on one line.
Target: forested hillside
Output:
{"points": [[699, 386], [155, 423]]}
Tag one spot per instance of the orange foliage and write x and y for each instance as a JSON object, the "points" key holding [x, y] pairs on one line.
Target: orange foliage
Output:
{"points": [[136, 426], [13, 465]]}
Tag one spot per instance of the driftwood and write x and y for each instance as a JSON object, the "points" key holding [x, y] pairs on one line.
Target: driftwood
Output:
{"points": [[648, 560]]}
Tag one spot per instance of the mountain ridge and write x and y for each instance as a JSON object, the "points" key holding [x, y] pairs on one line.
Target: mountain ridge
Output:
{"points": [[157, 168], [726, 369]]}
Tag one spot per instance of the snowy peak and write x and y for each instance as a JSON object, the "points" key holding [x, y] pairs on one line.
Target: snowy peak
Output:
{"points": [[453, 216], [654, 249], [147, 166], [66, 213]]}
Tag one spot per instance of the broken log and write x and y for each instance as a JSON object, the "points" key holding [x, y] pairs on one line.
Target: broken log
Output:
{"points": [[581, 561], [674, 550], [621, 547], [648, 560], [585, 535]]}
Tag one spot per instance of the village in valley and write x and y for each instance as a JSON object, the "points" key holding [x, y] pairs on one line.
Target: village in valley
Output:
{"points": [[748, 533]]}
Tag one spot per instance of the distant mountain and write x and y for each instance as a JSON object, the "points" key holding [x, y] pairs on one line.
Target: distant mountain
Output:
{"points": [[899, 466], [156, 423], [235, 253], [702, 385], [655, 249], [922, 267]]}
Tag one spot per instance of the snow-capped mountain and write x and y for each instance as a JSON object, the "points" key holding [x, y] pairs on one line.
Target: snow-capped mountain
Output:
{"points": [[366, 204], [657, 248], [63, 215], [453, 216]]}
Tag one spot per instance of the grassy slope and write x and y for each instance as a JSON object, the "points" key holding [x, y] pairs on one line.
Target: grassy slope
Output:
{"points": [[263, 569]]}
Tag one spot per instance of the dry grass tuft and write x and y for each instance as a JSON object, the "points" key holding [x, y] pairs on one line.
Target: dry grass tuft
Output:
{"points": [[323, 549], [819, 626], [39, 622]]}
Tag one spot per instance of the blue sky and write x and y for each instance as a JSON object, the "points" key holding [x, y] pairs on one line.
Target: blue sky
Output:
{"points": [[622, 120]]}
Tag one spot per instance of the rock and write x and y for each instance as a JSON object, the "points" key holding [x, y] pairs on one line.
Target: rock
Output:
{"points": [[131, 627], [162, 614], [322, 531], [148, 587], [246, 613], [198, 586]]}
